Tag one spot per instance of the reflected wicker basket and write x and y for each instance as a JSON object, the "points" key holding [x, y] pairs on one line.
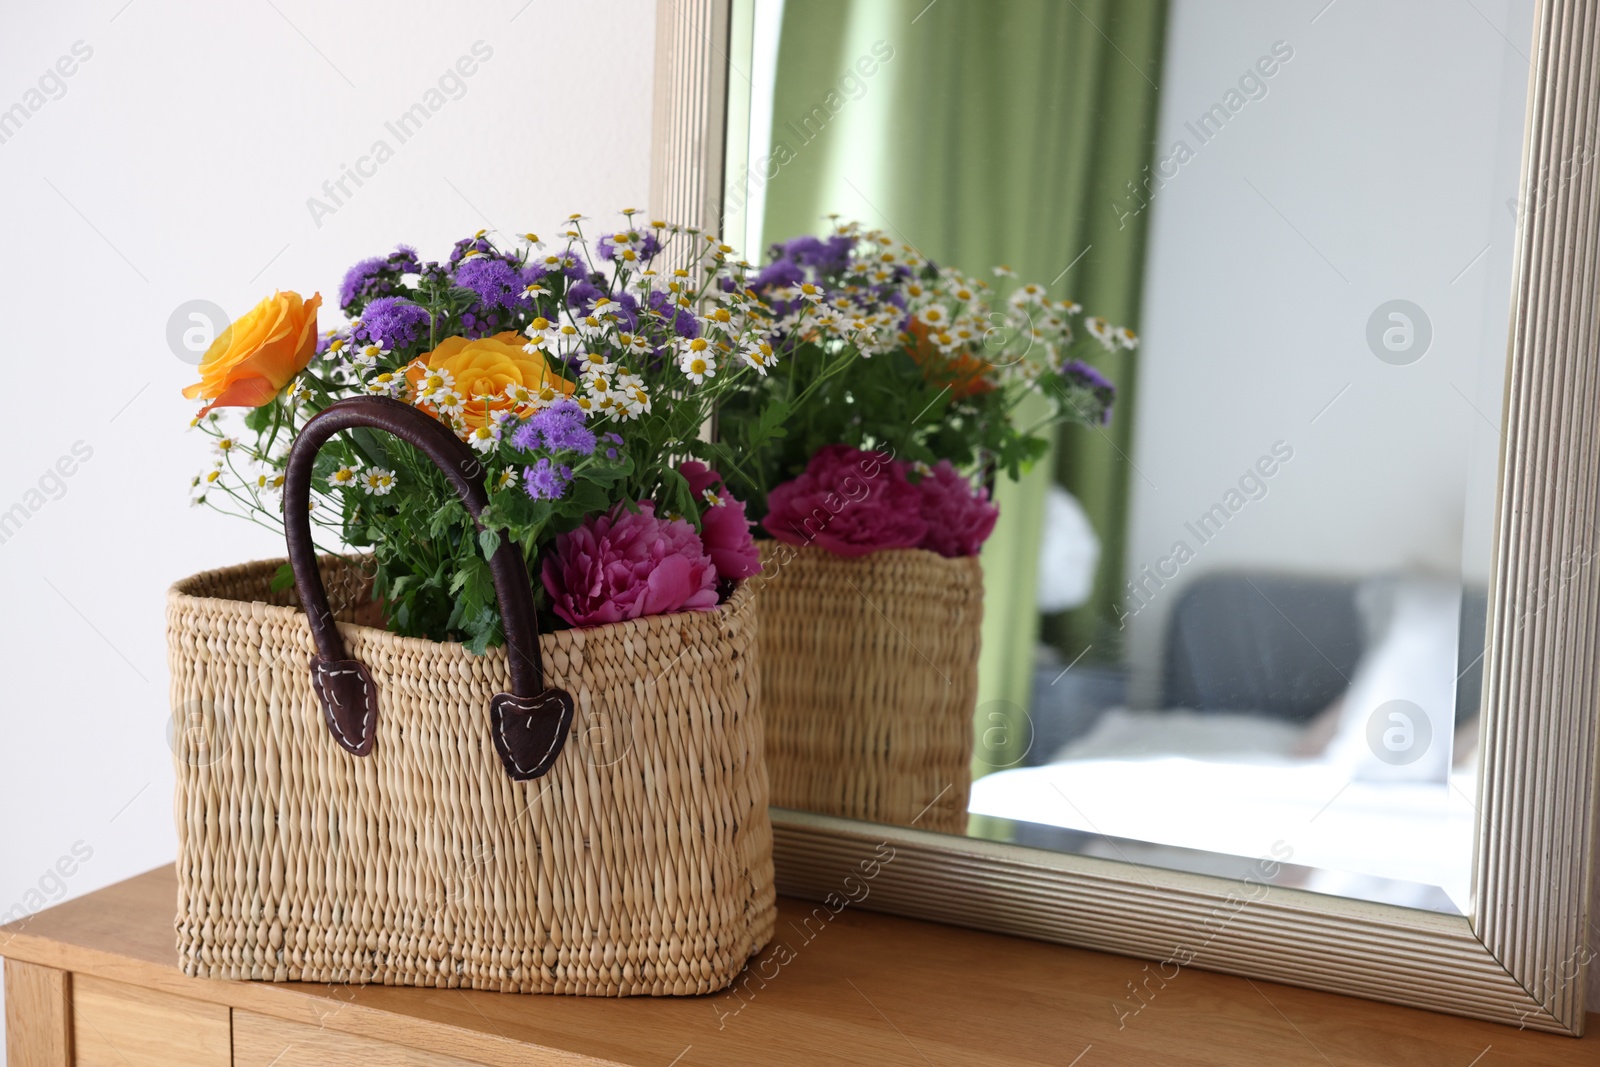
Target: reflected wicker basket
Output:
{"points": [[869, 677]]}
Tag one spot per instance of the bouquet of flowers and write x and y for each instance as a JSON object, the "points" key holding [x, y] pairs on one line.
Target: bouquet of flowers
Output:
{"points": [[580, 375], [927, 406], [898, 403]]}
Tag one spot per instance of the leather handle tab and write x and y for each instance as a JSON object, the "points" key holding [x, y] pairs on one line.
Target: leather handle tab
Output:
{"points": [[530, 724]]}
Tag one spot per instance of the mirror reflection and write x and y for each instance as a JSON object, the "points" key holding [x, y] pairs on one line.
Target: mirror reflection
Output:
{"points": [[1243, 620]]}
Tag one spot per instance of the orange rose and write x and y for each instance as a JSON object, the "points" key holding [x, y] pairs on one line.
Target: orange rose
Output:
{"points": [[257, 355], [487, 367], [964, 373]]}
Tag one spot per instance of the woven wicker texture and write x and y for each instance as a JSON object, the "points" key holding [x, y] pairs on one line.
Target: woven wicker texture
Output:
{"points": [[869, 679], [641, 864]]}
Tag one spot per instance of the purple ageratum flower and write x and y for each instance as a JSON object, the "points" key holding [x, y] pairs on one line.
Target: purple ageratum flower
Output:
{"points": [[1078, 373], [581, 296], [825, 256], [376, 277], [779, 274], [393, 322], [499, 287], [613, 442], [627, 312], [648, 247], [546, 480], [558, 428], [470, 244], [683, 321], [498, 284]]}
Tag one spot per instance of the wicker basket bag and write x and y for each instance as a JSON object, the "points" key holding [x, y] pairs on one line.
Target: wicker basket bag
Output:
{"points": [[580, 812], [868, 683]]}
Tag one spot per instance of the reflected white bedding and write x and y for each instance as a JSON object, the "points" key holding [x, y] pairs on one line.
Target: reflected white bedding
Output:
{"points": [[1241, 793]]}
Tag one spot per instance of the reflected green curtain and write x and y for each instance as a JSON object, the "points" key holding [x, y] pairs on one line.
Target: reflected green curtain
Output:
{"points": [[1001, 131]]}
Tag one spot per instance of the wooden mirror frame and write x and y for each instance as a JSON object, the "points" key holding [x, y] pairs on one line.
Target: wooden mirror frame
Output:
{"points": [[1521, 958]]}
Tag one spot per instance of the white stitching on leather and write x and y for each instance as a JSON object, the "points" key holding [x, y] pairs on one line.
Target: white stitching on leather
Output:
{"points": [[515, 701], [327, 694]]}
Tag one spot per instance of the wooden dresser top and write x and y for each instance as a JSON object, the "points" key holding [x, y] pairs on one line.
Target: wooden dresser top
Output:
{"points": [[856, 988]]}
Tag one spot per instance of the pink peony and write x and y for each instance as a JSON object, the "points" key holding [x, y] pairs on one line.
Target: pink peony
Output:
{"points": [[960, 518], [849, 502], [627, 565], [723, 527]]}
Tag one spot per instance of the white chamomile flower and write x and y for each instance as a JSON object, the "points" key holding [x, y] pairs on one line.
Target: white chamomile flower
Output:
{"points": [[810, 293], [595, 362], [267, 481], [636, 343], [534, 244], [335, 350], [594, 327], [934, 316], [386, 384], [506, 479], [695, 346], [698, 366], [1003, 271], [541, 332], [759, 354], [711, 497], [432, 383], [533, 289], [605, 307], [1126, 337], [345, 477], [1100, 330], [299, 392], [545, 396], [634, 399], [598, 383], [518, 394], [447, 402], [369, 355], [224, 445], [378, 481], [484, 438], [921, 468], [1030, 293], [829, 320]]}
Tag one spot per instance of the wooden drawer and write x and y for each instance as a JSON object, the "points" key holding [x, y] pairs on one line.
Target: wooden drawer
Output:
{"points": [[262, 1041], [117, 1025]]}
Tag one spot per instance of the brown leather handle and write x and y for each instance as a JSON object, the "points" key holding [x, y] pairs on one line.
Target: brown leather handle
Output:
{"points": [[530, 724]]}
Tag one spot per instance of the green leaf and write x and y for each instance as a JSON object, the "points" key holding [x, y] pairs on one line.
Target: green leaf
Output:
{"points": [[489, 542], [258, 420], [282, 578]]}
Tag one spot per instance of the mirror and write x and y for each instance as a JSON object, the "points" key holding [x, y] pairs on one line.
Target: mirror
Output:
{"points": [[1241, 628]]}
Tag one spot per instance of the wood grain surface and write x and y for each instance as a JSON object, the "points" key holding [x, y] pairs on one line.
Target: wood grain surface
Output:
{"points": [[851, 988]]}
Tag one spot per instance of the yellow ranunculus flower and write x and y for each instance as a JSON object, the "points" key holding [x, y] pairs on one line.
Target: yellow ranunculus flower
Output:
{"points": [[483, 368], [255, 357]]}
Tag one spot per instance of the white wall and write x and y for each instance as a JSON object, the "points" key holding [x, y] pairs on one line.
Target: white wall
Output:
{"points": [[1379, 165], [176, 166]]}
